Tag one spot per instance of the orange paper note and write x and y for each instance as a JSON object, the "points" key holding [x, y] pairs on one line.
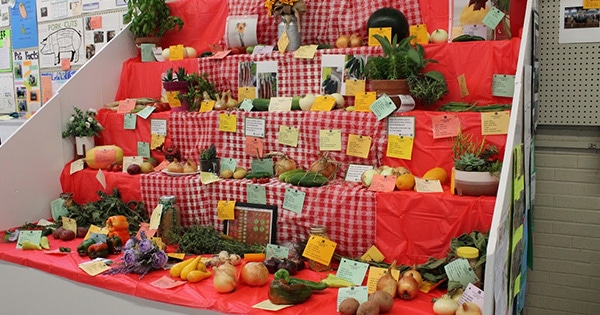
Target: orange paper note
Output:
{"points": [[254, 146]]}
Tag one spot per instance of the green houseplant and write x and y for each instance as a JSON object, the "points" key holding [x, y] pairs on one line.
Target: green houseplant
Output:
{"points": [[400, 70], [199, 88], [150, 19], [209, 161]]}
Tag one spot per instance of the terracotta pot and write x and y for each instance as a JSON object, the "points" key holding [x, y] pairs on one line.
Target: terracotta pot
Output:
{"points": [[391, 88]]}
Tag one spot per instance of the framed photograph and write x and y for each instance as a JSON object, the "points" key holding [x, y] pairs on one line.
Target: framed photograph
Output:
{"points": [[253, 224], [578, 24], [240, 31]]}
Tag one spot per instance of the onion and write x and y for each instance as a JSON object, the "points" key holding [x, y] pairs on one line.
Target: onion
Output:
{"points": [[408, 288], [325, 166], [445, 305], [306, 101], [223, 282], [255, 274], [284, 164], [339, 100], [415, 274], [438, 36], [228, 269], [355, 40], [367, 177], [235, 259], [468, 308], [387, 283], [342, 42]]}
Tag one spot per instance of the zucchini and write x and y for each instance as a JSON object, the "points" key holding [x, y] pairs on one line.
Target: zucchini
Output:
{"points": [[262, 104], [308, 179], [467, 38]]}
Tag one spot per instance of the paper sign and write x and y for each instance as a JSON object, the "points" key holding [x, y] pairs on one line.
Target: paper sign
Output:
{"points": [[93, 229], [375, 273], [156, 141], [94, 268], [155, 217], [363, 101], [352, 271], [130, 160], [493, 18], [445, 126], [101, 178], [165, 282], [228, 164], [147, 52], [227, 122], [420, 33], [145, 113], [262, 49], [319, 249], [126, 106], [219, 54], [262, 165], [591, 4], [143, 149], [323, 103], [495, 123], [472, 294], [306, 51], [246, 93], [76, 166], [373, 254], [158, 126], [225, 210], [401, 126], [173, 99], [358, 146], [354, 87], [246, 105], [145, 227], [360, 293], [95, 22], [330, 140], [256, 194], [503, 85], [280, 104], [176, 52], [69, 224], [254, 146], [355, 171], [383, 31], [294, 200], [279, 252], [33, 236], [207, 106], [400, 147], [129, 121], [460, 270], [383, 107], [476, 30], [427, 185], [462, 85], [383, 183], [288, 136], [255, 127], [208, 178], [269, 306], [283, 42]]}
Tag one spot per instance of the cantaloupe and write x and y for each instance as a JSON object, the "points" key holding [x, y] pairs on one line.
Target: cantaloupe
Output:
{"points": [[103, 156]]}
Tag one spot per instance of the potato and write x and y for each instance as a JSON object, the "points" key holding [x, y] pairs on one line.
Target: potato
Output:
{"points": [[368, 308], [348, 306], [383, 299], [239, 174], [67, 235], [226, 174]]}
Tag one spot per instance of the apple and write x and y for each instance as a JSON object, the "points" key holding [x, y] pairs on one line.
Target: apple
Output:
{"points": [[439, 36]]}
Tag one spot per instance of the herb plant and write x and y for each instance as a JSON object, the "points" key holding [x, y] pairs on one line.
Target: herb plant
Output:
{"points": [[150, 18], [199, 88], [82, 124]]}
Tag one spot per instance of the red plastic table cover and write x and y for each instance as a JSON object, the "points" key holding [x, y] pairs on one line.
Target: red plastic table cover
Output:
{"points": [[199, 295]]}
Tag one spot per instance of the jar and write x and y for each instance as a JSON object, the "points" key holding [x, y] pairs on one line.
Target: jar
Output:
{"points": [[318, 230], [471, 254], [293, 33], [170, 220]]}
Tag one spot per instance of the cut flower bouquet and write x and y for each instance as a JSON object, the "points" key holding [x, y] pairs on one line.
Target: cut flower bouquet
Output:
{"points": [[140, 256], [286, 9], [83, 124]]}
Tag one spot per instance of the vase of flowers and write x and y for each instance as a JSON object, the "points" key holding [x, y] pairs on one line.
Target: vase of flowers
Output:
{"points": [[140, 256], [84, 127], [288, 12]]}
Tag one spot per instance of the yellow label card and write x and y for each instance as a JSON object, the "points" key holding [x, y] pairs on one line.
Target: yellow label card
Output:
{"points": [[180, 256], [495, 123], [330, 140], [383, 31], [375, 273], [155, 217], [373, 254], [306, 51], [363, 101], [94, 268], [225, 210], [591, 4], [207, 106], [172, 99], [319, 249], [323, 103], [420, 33], [94, 229], [400, 147], [208, 178], [358, 146], [288, 136], [462, 85], [156, 141], [283, 42], [176, 52], [69, 224], [354, 87], [246, 92], [227, 122]]}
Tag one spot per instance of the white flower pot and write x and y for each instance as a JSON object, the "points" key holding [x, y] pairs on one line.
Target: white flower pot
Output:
{"points": [[475, 183], [82, 144]]}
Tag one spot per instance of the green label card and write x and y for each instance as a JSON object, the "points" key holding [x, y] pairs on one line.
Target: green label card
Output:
{"points": [[143, 149], [493, 17], [246, 105], [383, 107], [256, 194], [352, 270], [262, 165], [129, 121], [294, 200], [33, 236], [228, 164], [279, 252], [503, 85], [147, 52], [360, 293], [98, 237], [145, 113]]}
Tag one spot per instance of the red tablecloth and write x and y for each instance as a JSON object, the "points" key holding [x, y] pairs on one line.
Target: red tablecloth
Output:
{"points": [[199, 295]]}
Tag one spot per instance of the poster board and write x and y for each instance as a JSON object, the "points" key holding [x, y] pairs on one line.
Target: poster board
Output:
{"points": [[61, 43]]}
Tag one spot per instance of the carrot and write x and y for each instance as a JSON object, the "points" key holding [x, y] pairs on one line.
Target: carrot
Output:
{"points": [[258, 257]]}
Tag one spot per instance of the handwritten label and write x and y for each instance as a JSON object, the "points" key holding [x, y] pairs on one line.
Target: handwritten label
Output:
{"points": [[246, 92], [33, 236], [355, 87], [228, 164], [401, 126], [358, 146], [225, 210], [319, 249], [76, 166], [256, 194], [355, 171], [262, 165], [383, 31], [227, 122], [352, 271], [373, 254], [400, 147], [165, 282], [375, 273], [493, 18], [288, 136], [294, 200], [276, 251], [306, 51], [129, 121], [445, 126], [323, 103], [495, 123], [503, 85], [126, 106], [462, 85], [155, 217], [69, 224], [330, 140], [363, 101], [283, 42], [360, 293], [255, 127], [254, 146], [420, 33], [383, 183], [207, 106], [383, 107], [428, 185], [280, 104]]}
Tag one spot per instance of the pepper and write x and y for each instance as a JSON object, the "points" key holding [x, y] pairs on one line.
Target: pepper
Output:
{"points": [[117, 225], [115, 245], [99, 249], [122, 234], [82, 248], [284, 274]]}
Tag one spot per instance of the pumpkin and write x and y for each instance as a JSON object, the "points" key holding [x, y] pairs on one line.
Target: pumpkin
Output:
{"points": [[390, 17], [103, 156]]}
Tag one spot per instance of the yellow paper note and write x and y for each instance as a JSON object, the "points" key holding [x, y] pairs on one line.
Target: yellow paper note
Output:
{"points": [[283, 42], [323, 103], [306, 51], [400, 147], [420, 31], [373, 254], [375, 273], [172, 99], [207, 106], [383, 31], [354, 87], [359, 146], [246, 92], [208, 177], [69, 224], [156, 141], [94, 268], [330, 140], [319, 249], [363, 101], [227, 122], [495, 123], [288, 136], [462, 85], [225, 210], [176, 52], [591, 4], [155, 217], [94, 229], [180, 256]]}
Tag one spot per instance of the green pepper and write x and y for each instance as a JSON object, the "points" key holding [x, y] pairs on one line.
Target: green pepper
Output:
{"points": [[82, 249], [99, 249], [284, 274], [115, 244]]}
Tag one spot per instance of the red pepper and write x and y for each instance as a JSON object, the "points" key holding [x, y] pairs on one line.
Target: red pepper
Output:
{"points": [[99, 249]]}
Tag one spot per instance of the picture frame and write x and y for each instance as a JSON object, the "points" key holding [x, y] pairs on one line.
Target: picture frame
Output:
{"points": [[253, 224], [240, 31]]}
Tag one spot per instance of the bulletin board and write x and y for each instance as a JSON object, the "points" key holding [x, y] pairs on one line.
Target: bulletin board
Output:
{"points": [[569, 74]]}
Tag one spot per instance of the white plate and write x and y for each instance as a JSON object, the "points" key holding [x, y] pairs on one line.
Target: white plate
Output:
{"points": [[164, 170]]}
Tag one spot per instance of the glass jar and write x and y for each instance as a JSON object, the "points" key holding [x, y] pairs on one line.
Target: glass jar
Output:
{"points": [[471, 254], [318, 230], [170, 220]]}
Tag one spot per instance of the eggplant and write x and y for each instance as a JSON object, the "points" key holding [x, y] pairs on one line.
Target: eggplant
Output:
{"points": [[272, 264], [288, 265]]}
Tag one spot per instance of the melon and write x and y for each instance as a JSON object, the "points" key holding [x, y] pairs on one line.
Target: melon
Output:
{"points": [[390, 17], [101, 157], [437, 173]]}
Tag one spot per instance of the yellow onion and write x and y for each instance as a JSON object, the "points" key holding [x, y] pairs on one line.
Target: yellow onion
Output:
{"points": [[325, 166], [468, 308], [283, 164], [223, 281], [387, 283], [255, 274]]}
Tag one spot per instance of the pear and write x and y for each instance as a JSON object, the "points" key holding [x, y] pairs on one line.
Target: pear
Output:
{"points": [[190, 167]]}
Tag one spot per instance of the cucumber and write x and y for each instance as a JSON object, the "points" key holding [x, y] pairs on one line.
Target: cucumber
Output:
{"points": [[285, 176], [467, 38], [262, 104], [258, 175], [308, 179]]}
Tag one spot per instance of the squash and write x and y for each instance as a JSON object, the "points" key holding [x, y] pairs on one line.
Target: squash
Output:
{"points": [[101, 157], [281, 292]]}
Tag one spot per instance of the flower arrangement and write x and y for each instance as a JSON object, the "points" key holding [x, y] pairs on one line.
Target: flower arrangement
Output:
{"points": [[83, 124], [286, 9], [140, 256], [472, 155]]}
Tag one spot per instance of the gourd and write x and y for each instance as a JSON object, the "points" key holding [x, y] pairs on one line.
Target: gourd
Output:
{"points": [[101, 157], [281, 292]]}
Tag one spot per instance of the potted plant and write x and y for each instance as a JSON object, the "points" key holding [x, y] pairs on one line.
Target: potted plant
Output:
{"points": [[175, 83], [476, 166], [209, 161], [198, 89], [83, 126], [400, 71], [150, 20]]}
